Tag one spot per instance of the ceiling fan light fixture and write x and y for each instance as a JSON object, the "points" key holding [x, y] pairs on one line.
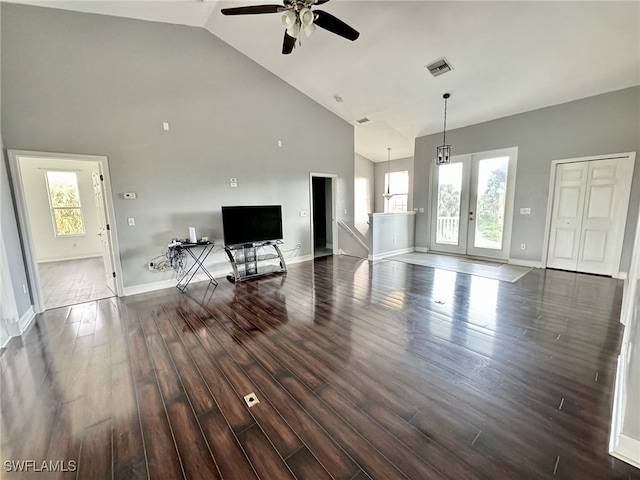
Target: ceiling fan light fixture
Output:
{"points": [[306, 19], [289, 19], [294, 30]]}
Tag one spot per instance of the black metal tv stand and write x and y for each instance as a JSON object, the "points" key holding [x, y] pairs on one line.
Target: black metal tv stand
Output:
{"points": [[248, 262]]}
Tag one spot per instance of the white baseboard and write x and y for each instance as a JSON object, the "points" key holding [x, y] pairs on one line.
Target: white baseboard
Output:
{"points": [[524, 263], [23, 324], [201, 277], [171, 282], [62, 258], [300, 259], [627, 449], [621, 275], [380, 256], [26, 319], [422, 249]]}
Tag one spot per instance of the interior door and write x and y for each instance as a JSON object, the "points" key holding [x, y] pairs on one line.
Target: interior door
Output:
{"points": [[601, 219], [568, 208], [589, 210], [473, 204], [103, 232]]}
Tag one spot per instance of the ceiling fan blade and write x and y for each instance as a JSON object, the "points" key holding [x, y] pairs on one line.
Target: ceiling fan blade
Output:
{"points": [[288, 43], [253, 9], [334, 25]]}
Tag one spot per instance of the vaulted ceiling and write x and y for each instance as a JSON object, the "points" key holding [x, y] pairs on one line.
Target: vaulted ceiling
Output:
{"points": [[508, 57]]}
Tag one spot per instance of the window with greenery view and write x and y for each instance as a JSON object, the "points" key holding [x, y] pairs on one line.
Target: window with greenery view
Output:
{"points": [[398, 184], [64, 197]]}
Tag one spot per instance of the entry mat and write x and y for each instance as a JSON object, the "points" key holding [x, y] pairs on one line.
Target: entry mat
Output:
{"points": [[480, 268]]}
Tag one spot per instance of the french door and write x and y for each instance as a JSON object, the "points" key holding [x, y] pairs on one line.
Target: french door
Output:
{"points": [[472, 204]]}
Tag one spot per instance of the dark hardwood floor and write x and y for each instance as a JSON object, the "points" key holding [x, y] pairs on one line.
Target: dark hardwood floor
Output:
{"points": [[385, 370]]}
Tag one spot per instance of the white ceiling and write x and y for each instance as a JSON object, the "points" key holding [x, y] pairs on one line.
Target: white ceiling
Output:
{"points": [[508, 57]]}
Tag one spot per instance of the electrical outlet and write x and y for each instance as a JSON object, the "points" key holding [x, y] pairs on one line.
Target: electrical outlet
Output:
{"points": [[298, 245], [152, 266], [523, 246]]}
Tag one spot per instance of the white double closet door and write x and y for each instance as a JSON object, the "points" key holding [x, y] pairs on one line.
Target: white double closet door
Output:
{"points": [[590, 202]]}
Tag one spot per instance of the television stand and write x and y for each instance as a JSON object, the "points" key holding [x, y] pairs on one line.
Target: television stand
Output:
{"points": [[248, 262]]}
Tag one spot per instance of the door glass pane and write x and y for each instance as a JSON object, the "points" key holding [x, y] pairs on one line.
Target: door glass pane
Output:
{"points": [[448, 218], [490, 207]]}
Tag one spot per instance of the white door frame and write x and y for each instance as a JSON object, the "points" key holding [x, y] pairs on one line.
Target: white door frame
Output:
{"points": [[334, 209], [622, 213], [23, 217]]}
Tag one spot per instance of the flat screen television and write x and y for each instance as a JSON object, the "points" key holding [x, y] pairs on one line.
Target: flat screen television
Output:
{"points": [[252, 223]]}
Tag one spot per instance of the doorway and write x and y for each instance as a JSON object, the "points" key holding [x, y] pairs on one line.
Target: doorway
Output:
{"points": [[589, 199], [64, 212], [472, 204], [323, 231]]}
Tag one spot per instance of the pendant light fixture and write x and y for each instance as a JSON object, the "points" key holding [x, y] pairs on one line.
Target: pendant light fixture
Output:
{"points": [[444, 150], [388, 195]]}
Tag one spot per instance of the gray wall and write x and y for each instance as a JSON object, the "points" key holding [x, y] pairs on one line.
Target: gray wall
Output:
{"points": [[608, 123], [394, 166], [8, 226], [390, 233], [92, 84], [363, 192]]}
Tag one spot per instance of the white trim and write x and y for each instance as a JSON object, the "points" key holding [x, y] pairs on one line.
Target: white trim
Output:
{"points": [[334, 213], [219, 275], [552, 181], [26, 319], [525, 263], [621, 275], [300, 259], [62, 258], [23, 216], [151, 287], [627, 449], [422, 249], [380, 256]]}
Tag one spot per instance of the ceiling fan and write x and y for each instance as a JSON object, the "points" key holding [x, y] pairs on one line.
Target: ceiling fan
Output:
{"points": [[297, 16]]}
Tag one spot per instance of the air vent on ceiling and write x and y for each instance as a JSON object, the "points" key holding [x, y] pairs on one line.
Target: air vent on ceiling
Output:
{"points": [[439, 67], [363, 120]]}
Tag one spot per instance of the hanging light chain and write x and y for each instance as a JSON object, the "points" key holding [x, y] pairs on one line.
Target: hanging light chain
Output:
{"points": [[444, 132]]}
